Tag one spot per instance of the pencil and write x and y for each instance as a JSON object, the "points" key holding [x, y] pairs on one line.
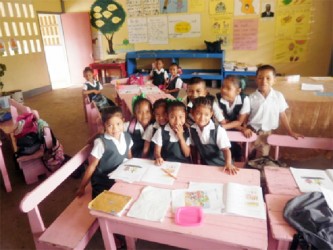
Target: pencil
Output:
{"points": [[168, 173]]}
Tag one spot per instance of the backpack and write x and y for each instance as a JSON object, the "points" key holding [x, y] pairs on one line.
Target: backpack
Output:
{"points": [[26, 123], [310, 215], [28, 144], [136, 79], [53, 157], [101, 101]]}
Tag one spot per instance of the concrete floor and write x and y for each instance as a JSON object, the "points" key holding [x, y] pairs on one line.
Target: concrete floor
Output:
{"points": [[63, 110]]}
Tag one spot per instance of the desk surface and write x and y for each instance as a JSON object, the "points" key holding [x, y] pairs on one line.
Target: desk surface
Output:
{"points": [[217, 231]]}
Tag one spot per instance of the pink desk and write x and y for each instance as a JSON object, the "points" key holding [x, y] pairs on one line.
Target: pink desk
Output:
{"points": [[281, 188], [217, 231]]}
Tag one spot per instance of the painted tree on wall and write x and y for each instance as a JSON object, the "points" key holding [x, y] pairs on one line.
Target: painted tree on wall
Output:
{"points": [[107, 16]]}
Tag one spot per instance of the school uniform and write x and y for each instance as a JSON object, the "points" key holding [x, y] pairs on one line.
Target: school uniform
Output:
{"points": [[111, 153], [103, 100], [166, 138], [159, 76], [264, 117], [175, 83], [92, 86], [136, 135], [148, 135], [209, 142]]}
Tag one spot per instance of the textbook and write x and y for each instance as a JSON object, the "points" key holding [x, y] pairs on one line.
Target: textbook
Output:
{"points": [[143, 170], [312, 87], [230, 198], [110, 202], [310, 180]]}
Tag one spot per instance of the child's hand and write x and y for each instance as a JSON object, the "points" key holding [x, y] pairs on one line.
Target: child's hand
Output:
{"points": [[80, 192], [225, 121], [296, 135], [230, 169], [179, 131], [159, 161], [247, 132]]}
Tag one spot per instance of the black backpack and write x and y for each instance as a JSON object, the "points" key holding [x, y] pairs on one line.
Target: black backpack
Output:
{"points": [[28, 144], [310, 215]]}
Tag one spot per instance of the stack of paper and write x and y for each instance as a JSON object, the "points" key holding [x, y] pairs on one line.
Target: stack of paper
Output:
{"points": [[312, 87], [128, 89], [150, 89]]}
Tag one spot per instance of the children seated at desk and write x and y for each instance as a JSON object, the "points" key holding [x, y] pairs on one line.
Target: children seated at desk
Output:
{"points": [[267, 107], [174, 83], [109, 151], [158, 75], [210, 140], [142, 118], [172, 142], [196, 88]]}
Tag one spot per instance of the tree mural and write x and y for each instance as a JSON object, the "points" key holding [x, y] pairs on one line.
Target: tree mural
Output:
{"points": [[107, 16]]}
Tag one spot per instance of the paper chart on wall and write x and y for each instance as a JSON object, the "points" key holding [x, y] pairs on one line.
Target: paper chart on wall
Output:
{"points": [[218, 7], [245, 34], [151, 7], [182, 26], [196, 6], [157, 30], [134, 8], [137, 30], [176, 6], [245, 7]]}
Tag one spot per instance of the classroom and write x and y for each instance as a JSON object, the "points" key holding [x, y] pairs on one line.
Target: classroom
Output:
{"points": [[45, 49]]}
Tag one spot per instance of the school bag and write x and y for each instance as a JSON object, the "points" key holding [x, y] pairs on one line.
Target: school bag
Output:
{"points": [[53, 157], [101, 101], [310, 215], [26, 123], [135, 79]]}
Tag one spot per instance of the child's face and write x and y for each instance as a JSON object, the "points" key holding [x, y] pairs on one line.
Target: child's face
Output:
{"points": [[202, 115], [196, 90], [265, 80], [114, 126], [143, 114], [89, 76], [161, 116], [173, 70], [229, 91], [159, 64], [177, 117]]}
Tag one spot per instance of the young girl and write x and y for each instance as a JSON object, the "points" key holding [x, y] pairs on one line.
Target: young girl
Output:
{"points": [[210, 140], [142, 112], [174, 84], [161, 118], [158, 74], [172, 142], [109, 151]]}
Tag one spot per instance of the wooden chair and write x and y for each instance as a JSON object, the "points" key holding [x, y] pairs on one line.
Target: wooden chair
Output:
{"points": [[95, 123], [86, 102], [74, 227], [306, 142], [4, 172]]}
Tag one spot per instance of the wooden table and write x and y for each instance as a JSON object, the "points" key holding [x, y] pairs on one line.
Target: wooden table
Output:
{"points": [[216, 232], [102, 67]]}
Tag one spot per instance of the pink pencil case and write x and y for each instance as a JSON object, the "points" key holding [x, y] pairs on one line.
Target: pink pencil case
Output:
{"points": [[189, 216]]}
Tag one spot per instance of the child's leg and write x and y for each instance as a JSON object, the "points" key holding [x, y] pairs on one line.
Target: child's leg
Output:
{"points": [[260, 145]]}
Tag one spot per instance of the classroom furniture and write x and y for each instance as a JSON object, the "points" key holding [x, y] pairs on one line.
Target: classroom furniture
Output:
{"points": [[216, 232], [309, 113], [74, 227], [95, 123], [306, 142], [238, 73], [176, 56], [102, 67], [236, 136], [4, 172]]}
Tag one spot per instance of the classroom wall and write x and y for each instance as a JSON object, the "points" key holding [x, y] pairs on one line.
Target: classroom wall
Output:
{"points": [[29, 71], [319, 48]]}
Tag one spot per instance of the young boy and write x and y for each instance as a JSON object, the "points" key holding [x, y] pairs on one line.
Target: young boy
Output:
{"points": [[158, 74], [174, 84], [267, 107], [196, 88]]}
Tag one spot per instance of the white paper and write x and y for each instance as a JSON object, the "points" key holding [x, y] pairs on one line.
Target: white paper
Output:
{"points": [[137, 30], [322, 78], [328, 194], [181, 26], [152, 204], [312, 87], [310, 180], [157, 29], [128, 89], [150, 90], [155, 174]]}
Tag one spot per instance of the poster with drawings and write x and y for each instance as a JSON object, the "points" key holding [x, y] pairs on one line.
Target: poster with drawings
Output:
{"points": [[157, 30], [247, 7], [134, 8], [137, 30], [173, 6], [182, 26], [151, 7]]}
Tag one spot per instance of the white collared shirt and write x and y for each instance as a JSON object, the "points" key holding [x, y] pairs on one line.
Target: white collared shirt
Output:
{"points": [[157, 138], [138, 126], [218, 114], [159, 72], [98, 149], [222, 140], [85, 87], [238, 100], [179, 82], [148, 134], [265, 112]]}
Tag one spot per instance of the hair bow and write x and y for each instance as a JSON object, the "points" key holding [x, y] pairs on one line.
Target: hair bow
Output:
{"points": [[178, 99], [136, 99]]}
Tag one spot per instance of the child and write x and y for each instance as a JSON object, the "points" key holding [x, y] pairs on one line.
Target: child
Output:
{"points": [[93, 89], [109, 151], [172, 142], [158, 74], [174, 84], [211, 140], [142, 112], [267, 107], [161, 118], [235, 106], [195, 88]]}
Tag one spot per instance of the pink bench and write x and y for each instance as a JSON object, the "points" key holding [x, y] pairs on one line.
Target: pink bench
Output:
{"points": [[74, 227], [236, 136], [4, 172], [95, 123]]}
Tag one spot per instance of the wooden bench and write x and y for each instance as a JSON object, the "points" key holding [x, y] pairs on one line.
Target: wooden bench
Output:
{"points": [[74, 227], [95, 123]]}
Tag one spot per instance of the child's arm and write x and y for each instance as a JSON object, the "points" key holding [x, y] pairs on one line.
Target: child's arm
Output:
{"points": [[237, 124], [87, 176], [285, 123], [183, 146], [157, 153], [93, 91], [229, 168], [146, 149], [129, 155]]}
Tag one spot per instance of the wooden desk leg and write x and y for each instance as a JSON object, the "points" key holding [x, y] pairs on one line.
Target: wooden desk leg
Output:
{"points": [[4, 173], [107, 234], [130, 243]]}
